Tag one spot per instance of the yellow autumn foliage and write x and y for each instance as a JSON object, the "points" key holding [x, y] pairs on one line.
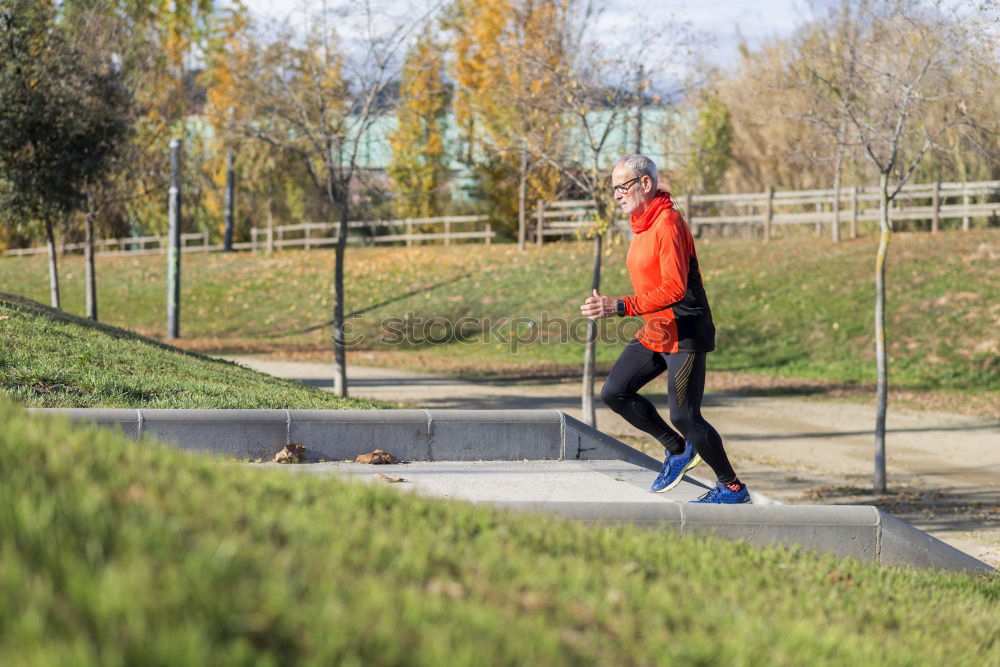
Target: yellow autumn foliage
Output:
{"points": [[419, 168], [507, 54]]}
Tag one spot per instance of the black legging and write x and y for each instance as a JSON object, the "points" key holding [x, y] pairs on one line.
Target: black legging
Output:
{"points": [[635, 368]]}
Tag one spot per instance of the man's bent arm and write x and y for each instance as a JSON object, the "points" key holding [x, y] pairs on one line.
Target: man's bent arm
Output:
{"points": [[674, 266]]}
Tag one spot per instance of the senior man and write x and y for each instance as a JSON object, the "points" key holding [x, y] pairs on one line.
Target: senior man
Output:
{"points": [[676, 337]]}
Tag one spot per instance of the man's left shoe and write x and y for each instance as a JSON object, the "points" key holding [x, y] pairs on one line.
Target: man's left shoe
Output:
{"points": [[674, 468], [723, 495]]}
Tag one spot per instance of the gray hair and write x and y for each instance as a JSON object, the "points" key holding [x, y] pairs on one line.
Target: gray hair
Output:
{"points": [[641, 166]]}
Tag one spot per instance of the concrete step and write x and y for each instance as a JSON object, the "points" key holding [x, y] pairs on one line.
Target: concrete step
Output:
{"points": [[528, 460]]}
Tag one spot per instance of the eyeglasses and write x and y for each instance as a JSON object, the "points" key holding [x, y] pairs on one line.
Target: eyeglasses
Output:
{"points": [[622, 188]]}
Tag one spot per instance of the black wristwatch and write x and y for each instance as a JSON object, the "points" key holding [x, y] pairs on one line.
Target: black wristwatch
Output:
{"points": [[620, 307]]}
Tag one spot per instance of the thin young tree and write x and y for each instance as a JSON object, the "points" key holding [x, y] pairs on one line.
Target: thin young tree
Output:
{"points": [[907, 54], [314, 98], [829, 52], [100, 35]]}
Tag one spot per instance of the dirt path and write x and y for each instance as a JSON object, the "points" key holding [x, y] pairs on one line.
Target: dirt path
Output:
{"points": [[943, 469]]}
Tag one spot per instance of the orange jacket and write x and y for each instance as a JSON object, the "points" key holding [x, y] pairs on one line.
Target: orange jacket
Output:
{"points": [[669, 293]]}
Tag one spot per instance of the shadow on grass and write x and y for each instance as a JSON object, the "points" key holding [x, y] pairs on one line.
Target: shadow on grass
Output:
{"points": [[359, 313]]}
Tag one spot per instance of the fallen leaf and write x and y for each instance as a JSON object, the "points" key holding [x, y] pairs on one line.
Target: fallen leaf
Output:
{"points": [[391, 479], [291, 454], [376, 457]]}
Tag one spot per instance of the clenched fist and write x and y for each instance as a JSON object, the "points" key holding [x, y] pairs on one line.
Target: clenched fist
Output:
{"points": [[598, 306]]}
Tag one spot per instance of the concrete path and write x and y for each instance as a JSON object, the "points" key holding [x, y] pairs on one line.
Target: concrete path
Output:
{"points": [[510, 481], [945, 468]]}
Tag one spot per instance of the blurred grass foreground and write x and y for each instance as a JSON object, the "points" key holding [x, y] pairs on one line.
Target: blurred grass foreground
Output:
{"points": [[114, 552]]}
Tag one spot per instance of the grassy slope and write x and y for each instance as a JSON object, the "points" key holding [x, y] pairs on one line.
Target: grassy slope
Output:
{"points": [[793, 307], [117, 553], [50, 359]]}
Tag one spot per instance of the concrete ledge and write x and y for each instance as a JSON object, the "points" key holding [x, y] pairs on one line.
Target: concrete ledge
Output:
{"points": [[343, 434], [411, 435], [126, 421], [238, 433], [584, 442], [864, 533]]}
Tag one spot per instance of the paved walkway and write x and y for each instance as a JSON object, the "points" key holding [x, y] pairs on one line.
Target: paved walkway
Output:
{"points": [[507, 481], [944, 469]]}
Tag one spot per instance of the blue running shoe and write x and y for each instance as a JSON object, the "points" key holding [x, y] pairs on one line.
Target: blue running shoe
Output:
{"points": [[723, 495], [674, 467]]}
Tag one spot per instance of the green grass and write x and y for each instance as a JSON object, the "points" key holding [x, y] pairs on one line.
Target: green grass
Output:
{"points": [[795, 307], [52, 359], [122, 553]]}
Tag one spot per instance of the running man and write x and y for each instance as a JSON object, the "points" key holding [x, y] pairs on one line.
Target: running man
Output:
{"points": [[677, 335]]}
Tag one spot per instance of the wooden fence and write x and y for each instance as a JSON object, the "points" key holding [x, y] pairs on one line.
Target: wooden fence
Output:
{"points": [[318, 234], [923, 204], [135, 245], [305, 235], [564, 218]]}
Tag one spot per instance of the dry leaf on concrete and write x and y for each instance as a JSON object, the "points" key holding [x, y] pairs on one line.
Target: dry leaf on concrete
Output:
{"points": [[376, 457], [391, 479], [291, 454]]}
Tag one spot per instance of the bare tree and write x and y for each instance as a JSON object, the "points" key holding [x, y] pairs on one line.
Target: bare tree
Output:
{"points": [[898, 69], [314, 97]]}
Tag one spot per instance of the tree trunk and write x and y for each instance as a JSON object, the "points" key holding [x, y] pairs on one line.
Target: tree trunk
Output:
{"points": [[339, 349], [522, 193], [89, 271], [589, 353], [882, 381], [227, 239], [50, 241], [270, 226]]}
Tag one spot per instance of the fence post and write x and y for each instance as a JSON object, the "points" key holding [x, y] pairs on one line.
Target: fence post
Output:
{"points": [[253, 240], [689, 210], [308, 243], [539, 224], [489, 234], [965, 205], [270, 229], [854, 212], [447, 231], [835, 231], [227, 237], [936, 203], [769, 213], [409, 232], [175, 244], [539, 217], [819, 218]]}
